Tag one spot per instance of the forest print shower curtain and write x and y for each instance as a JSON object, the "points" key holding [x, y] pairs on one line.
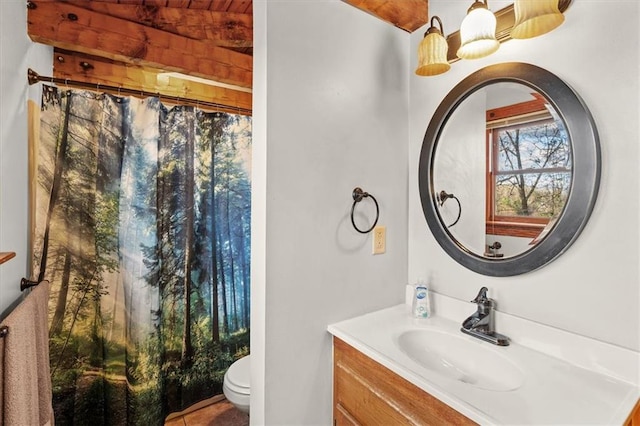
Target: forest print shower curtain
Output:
{"points": [[143, 229]]}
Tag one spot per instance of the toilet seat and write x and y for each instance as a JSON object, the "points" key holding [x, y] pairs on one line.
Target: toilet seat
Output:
{"points": [[237, 377], [236, 385]]}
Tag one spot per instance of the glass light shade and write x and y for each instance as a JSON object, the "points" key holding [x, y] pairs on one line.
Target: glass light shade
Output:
{"points": [[432, 54], [478, 33], [535, 17]]}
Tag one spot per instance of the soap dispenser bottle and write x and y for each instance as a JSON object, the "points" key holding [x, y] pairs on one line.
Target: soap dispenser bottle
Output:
{"points": [[420, 305]]}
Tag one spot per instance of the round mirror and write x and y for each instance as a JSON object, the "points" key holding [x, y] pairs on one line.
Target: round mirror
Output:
{"points": [[509, 169]]}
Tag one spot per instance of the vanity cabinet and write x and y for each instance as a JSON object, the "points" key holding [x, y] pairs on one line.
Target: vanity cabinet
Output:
{"points": [[367, 393]]}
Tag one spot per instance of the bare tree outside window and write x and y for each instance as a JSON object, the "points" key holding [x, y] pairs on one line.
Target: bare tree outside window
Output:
{"points": [[532, 169]]}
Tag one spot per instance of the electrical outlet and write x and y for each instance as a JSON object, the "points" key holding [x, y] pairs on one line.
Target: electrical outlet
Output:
{"points": [[379, 239]]}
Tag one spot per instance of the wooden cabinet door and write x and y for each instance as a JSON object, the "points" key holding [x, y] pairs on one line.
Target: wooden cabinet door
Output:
{"points": [[634, 417], [367, 393]]}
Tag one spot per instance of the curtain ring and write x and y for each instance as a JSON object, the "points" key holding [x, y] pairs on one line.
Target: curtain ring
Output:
{"points": [[358, 194]]}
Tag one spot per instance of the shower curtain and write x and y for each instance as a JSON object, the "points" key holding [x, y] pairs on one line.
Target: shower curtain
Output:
{"points": [[143, 229]]}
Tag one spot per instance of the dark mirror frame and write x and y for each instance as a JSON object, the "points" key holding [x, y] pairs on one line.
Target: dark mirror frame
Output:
{"points": [[585, 180]]}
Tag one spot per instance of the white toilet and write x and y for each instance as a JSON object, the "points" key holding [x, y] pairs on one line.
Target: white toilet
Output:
{"points": [[236, 384]]}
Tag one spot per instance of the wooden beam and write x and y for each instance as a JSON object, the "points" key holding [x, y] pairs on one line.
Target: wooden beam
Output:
{"points": [[73, 28], [408, 15], [225, 29], [100, 71]]}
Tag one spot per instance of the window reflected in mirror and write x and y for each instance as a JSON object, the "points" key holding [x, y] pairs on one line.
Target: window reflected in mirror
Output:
{"points": [[528, 168]]}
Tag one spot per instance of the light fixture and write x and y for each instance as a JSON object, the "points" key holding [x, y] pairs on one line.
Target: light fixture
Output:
{"points": [[478, 32], [535, 17], [432, 51]]}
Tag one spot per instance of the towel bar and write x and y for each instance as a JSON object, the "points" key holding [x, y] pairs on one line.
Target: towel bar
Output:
{"points": [[25, 284]]}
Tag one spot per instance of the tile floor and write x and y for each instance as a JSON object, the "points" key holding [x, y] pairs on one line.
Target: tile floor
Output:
{"points": [[220, 413]]}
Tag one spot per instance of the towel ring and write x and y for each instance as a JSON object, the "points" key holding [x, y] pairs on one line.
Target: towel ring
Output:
{"points": [[358, 194], [442, 197]]}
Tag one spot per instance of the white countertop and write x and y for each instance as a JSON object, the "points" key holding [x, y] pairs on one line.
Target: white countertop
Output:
{"points": [[554, 391]]}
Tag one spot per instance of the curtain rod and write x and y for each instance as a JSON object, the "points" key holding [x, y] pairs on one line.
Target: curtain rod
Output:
{"points": [[34, 78]]}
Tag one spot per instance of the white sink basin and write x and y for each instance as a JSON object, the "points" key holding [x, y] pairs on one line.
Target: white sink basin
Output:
{"points": [[459, 358]]}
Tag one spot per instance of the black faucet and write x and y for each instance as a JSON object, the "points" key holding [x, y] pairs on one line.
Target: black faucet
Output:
{"points": [[481, 324]]}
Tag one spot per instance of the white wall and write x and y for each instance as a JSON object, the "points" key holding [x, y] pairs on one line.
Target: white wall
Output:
{"points": [[334, 117], [594, 288], [459, 172], [17, 53]]}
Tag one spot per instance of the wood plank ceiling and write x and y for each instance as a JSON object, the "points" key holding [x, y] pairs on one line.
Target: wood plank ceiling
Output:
{"points": [[150, 45]]}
